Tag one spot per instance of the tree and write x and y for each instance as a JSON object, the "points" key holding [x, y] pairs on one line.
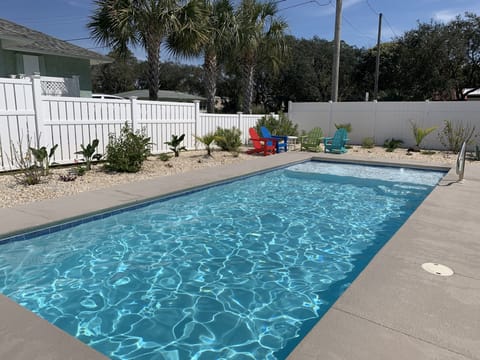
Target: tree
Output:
{"points": [[149, 23], [465, 34], [258, 31], [219, 28], [119, 76], [388, 87], [438, 61], [305, 74]]}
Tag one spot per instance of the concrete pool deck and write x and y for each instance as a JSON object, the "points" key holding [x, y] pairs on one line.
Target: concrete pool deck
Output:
{"points": [[393, 310]]}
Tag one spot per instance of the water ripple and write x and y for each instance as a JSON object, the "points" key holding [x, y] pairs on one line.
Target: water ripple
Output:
{"points": [[240, 271]]}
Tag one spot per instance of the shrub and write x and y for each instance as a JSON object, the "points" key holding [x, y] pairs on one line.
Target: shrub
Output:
{"points": [[175, 143], [281, 126], [127, 152], [346, 126], [30, 173], [228, 139], [368, 143], [391, 144], [164, 157], [452, 135], [419, 133]]}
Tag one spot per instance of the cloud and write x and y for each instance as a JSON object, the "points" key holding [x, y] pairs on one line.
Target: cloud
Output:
{"points": [[349, 3], [445, 16], [78, 4]]}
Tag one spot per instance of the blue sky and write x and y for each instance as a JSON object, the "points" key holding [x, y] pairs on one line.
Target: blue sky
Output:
{"points": [[67, 19]]}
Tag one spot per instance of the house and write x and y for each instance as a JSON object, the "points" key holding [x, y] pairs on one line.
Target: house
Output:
{"points": [[472, 94], [24, 51], [163, 95], [166, 95]]}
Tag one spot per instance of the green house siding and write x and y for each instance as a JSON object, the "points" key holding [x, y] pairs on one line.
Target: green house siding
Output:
{"points": [[66, 67], [8, 63], [11, 62]]}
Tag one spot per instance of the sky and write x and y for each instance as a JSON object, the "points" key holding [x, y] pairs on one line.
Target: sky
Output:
{"points": [[67, 19]]}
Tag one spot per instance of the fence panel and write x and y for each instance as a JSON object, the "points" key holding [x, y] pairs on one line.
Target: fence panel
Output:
{"points": [[210, 122], [161, 120], [385, 120], [71, 122], [17, 120]]}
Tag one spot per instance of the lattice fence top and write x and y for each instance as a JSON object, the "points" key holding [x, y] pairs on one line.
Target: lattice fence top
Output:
{"points": [[51, 88]]}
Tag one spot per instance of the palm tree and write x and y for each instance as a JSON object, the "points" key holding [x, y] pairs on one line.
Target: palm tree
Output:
{"points": [[259, 31], [219, 25], [149, 23]]}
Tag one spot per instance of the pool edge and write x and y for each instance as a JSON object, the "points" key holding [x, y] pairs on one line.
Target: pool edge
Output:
{"points": [[266, 164]]}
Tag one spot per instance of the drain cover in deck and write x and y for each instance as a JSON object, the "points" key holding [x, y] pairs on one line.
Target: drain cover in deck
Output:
{"points": [[437, 269]]}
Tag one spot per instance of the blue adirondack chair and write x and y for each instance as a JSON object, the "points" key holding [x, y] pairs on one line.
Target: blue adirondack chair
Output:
{"points": [[336, 144], [282, 141]]}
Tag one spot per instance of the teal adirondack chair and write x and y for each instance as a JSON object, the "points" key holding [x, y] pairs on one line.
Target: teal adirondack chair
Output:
{"points": [[312, 141], [336, 144]]}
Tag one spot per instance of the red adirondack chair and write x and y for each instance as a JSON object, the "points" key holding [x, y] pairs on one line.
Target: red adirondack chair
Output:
{"points": [[261, 145]]}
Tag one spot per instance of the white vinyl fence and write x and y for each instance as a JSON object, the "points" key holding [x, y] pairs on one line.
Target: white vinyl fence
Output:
{"points": [[385, 120], [27, 117]]}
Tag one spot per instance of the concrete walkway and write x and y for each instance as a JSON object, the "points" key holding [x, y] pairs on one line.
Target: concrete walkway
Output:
{"points": [[394, 310]]}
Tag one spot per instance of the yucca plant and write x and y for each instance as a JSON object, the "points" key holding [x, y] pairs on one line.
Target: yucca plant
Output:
{"points": [[420, 133]]}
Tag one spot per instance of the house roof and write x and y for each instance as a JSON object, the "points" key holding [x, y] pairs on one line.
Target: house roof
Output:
{"points": [[20, 38], [475, 92], [165, 95]]}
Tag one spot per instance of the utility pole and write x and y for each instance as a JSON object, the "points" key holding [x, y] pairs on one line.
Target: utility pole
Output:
{"points": [[336, 50], [377, 63]]}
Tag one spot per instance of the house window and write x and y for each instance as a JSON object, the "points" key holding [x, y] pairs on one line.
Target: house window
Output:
{"points": [[30, 64]]}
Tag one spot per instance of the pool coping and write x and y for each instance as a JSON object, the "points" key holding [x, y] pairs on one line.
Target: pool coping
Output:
{"points": [[340, 322]]}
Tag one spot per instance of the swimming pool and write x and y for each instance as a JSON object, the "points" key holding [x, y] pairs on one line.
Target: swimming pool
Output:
{"points": [[243, 276]]}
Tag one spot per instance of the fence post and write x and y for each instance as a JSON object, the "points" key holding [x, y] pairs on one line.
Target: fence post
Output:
{"points": [[197, 120], [425, 111], [375, 102], [330, 118], [37, 106], [135, 113], [76, 86], [239, 124]]}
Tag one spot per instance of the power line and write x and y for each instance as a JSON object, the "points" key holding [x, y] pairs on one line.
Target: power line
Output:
{"points": [[371, 8], [384, 17], [388, 24], [354, 27], [77, 39], [297, 5], [304, 3]]}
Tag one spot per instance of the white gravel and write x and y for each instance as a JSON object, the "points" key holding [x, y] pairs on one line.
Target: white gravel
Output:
{"points": [[12, 193]]}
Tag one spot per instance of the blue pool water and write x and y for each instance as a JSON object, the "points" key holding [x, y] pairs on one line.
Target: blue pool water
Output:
{"points": [[237, 271]]}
